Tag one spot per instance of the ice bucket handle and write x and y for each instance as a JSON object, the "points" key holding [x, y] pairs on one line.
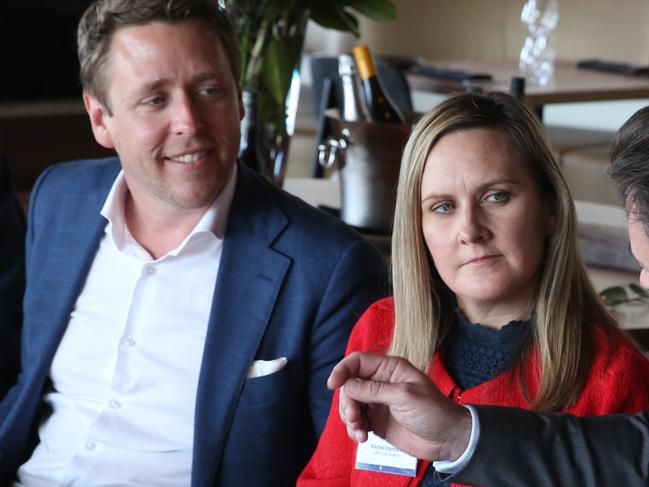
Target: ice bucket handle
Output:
{"points": [[328, 152]]}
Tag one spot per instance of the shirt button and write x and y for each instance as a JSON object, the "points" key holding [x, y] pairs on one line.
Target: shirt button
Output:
{"points": [[114, 404], [129, 342], [90, 445], [149, 270]]}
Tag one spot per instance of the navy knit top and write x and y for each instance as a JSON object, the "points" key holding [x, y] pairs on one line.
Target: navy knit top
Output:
{"points": [[475, 354]]}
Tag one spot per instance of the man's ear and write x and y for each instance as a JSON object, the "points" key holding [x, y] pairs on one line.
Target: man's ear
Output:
{"points": [[98, 117]]}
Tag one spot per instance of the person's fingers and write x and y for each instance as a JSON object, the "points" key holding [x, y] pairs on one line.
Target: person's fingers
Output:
{"points": [[375, 392], [350, 410], [376, 418], [358, 433], [365, 365], [357, 428], [351, 413], [357, 364], [347, 407]]}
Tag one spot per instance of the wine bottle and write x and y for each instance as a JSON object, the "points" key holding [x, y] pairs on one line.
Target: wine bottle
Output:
{"points": [[382, 109], [250, 146], [354, 106], [517, 87]]}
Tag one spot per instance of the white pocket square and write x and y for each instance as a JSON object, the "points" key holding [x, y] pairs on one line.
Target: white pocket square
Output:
{"points": [[260, 368]]}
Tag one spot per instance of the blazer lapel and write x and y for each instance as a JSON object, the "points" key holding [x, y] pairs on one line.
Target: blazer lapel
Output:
{"points": [[250, 277], [59, 265]]}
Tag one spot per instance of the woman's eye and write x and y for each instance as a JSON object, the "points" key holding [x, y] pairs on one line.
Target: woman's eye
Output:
{"points": [[497, 197], [442, 208]]}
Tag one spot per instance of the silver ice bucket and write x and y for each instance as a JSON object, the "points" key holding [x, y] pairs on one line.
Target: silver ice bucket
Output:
{"points": [[368, 156]]}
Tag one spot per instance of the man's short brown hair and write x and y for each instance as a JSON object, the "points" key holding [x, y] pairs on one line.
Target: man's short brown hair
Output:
{"points": [[103, 17]]}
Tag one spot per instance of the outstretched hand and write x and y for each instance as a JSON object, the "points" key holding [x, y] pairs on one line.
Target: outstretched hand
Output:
{"points": [[395, 400]]}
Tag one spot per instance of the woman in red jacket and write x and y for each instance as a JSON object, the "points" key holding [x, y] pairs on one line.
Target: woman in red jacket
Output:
{"points": [[491, 297]]}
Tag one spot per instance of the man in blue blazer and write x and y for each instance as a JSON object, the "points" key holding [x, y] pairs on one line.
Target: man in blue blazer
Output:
{"points": [[181, 314]]}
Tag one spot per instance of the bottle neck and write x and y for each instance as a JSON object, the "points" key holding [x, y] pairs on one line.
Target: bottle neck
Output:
{"points": [[364, 63], [354, 107]]}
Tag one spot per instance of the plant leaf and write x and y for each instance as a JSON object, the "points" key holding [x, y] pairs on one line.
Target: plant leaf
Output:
{"points": [[379, 10], [613, 296], [334, 17], [280, 58], [277, 70]]}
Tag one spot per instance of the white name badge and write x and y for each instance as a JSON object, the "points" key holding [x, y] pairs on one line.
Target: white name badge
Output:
{"points": [[377, 455]]}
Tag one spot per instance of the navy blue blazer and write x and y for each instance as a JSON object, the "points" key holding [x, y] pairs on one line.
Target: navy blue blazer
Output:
{"points": [[291, 283], [12, 279]]}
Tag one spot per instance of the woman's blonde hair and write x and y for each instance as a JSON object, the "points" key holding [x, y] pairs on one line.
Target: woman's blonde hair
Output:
{"points": [[566, 306]]}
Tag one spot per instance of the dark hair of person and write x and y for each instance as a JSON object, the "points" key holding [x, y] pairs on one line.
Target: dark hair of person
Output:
{"points": [[630, 164]]}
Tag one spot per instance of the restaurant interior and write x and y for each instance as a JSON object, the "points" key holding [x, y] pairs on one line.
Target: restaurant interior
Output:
{"points": [[42, 119]]}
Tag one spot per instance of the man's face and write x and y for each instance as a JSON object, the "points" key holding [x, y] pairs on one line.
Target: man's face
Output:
{"points": [[639, 245], [175, 116]]}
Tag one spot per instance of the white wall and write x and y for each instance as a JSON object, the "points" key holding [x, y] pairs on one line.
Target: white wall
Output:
{"points": [[488, 29]]}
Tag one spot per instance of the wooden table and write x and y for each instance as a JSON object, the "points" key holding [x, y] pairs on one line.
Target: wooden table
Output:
{"points": [[570, 84]]}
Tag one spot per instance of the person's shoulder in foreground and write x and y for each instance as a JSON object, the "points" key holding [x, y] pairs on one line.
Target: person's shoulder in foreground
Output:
{"points": [[558, 449], [566, 449]]}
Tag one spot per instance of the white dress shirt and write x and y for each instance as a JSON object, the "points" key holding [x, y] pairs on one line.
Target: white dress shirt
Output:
{"points": [[447, 467], [125, 374]]}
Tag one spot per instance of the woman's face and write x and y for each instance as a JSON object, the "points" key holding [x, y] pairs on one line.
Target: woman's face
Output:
{"points": [[484, 221]]}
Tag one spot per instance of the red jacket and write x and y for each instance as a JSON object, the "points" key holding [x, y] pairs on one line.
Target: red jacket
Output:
{"points": [[618, 382]]}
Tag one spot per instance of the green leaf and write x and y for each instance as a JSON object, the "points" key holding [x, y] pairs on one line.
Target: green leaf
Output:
{"points": [[277, 71], [379, 10], [333, 17], [280, 57], [640, 291], [613, 296]]}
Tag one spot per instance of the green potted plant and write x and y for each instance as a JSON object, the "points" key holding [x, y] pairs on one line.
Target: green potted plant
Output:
{"points": [[271, 36]]}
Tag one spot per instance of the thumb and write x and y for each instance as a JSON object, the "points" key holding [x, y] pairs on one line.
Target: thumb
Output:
{"points": [[371, 392]]}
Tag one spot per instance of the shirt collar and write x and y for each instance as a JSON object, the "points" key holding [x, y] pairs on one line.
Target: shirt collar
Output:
{"points": [[213, 222]]}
